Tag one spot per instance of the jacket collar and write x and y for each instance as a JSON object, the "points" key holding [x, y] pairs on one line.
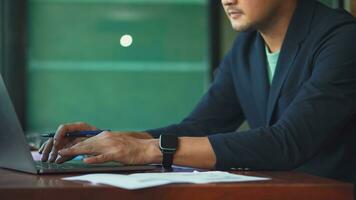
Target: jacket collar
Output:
{"points": [[259, 79], [297, 32]]}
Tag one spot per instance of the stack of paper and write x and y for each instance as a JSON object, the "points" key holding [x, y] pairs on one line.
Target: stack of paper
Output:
{"points": [[145, 180]]}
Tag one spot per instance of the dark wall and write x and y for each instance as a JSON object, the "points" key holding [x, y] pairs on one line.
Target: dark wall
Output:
{"points": [[1, 36], [215, 32], [12, 50]]}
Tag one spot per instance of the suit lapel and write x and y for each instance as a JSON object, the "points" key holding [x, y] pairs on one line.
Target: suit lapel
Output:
{"points": [[296, 34], [284, 64], [260, 84]]}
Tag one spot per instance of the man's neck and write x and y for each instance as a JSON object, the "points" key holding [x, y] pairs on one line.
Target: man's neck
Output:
{"points": [[275, 30]]}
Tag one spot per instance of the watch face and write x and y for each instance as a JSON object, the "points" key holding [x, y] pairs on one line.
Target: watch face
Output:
{"points": [[168, 141]]}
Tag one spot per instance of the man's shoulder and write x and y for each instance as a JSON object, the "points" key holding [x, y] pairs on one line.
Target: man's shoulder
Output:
{"points": [[326, 19]]}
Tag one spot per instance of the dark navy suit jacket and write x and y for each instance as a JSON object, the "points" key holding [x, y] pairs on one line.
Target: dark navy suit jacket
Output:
{"points": [[306, 120]]}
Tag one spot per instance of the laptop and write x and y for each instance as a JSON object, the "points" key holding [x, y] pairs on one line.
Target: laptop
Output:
{"points": [[15, 152]]}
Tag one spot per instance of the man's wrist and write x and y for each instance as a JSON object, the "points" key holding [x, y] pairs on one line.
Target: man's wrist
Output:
{"points": [[141, 135], [155, 153]]}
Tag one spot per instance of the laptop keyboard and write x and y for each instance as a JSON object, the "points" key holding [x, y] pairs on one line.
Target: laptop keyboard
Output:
{"points": [[73, 165], [47, 165], [81, 167]]}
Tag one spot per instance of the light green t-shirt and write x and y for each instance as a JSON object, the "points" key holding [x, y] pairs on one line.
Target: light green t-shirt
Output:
{"points": [[272, 59]]}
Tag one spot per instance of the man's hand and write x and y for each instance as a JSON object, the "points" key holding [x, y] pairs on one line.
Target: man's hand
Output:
{"points": [[50, 148], [121, 147]]}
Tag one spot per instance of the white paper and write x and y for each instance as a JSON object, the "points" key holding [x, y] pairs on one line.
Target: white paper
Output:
{"points": [[145, 180]]}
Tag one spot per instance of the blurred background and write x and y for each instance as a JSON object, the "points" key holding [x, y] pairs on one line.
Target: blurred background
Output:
{"points": [[116, 64]]}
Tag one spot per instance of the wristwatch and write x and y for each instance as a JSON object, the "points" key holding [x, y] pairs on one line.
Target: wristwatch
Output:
{"points": [[168, 144]]}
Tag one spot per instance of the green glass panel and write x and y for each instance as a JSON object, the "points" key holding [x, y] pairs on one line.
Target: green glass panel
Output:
{"points": [[127, 100], [92, 31], [78, 71], [330, 3]]}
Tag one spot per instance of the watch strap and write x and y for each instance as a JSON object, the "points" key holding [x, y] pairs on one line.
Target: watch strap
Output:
{"points": [[167, 159], [168, 144]]}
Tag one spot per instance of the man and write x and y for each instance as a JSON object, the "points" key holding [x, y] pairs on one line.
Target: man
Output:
{"points": [[291, 73]]}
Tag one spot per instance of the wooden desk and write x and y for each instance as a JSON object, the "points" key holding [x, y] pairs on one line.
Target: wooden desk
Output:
{"points": [[283, 186]]}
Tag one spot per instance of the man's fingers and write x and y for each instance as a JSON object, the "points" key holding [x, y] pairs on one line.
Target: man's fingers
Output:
{"points": [[47, 149], [78, 149], [53, 155], [42, 147], [63, 129], [60, 134], [97, 159], [61, 159]]}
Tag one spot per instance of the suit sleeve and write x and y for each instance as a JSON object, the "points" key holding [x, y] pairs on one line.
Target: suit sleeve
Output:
{"points": [[218, 111], [324, 105]]}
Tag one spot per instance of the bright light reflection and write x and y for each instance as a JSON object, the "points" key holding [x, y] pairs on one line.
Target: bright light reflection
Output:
{"points": [[126, 40]]}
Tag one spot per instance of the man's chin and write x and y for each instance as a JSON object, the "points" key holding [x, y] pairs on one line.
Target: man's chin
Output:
{"points": [[242, 28]]}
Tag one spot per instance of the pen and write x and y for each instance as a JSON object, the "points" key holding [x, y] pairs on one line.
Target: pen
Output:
{"points": [[76, 133]]}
